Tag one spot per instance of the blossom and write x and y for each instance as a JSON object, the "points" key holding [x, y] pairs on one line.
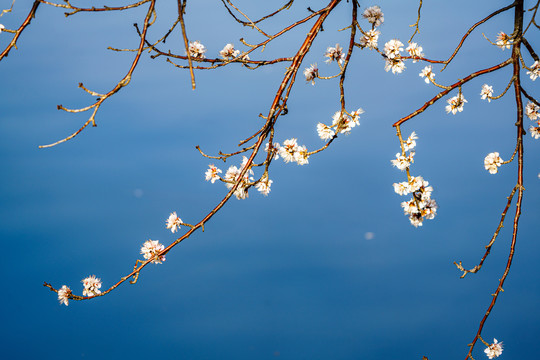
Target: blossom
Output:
{"points": [[325, 132], [91, 286], [397, 66], [150, 249], [196, 50], [2, 27], [535, 71], [63, 295], [311, 73], [344, 123], [402, 162], [370, 39], [229, 52], [173, 222], [532, 110], [301, 155], [455, 104], [504, 41], [288, 150], [492, 162], [494, 350], [264, 185], [212, 173], [401, 188], [487, 92], [356, 116], [415, 50], [374, 15], [233, 176], [335, 54], [535, 131], [392, 48], [410, 143], [427, 74]]}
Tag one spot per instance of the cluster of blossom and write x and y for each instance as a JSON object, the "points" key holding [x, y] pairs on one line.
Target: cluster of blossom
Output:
{"points": [[455, 104], [494, 350], [196, 50], [533, 112], [421, 206], [150, 249], [504, 41], [535, 71], [341, 123], [493, 162], [335, 54], [232, 176], [91, 287], [392, 50], [291, 151], [374, 15], [487, 92], [173, 222], [428, 74], [311, 73], [64, 294]]}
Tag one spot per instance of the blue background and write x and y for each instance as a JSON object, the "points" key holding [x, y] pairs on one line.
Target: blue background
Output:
{"points": [[288, 276]]}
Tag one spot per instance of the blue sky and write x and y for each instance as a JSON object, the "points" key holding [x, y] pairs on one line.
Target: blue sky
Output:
{"points": [[288, 276]]}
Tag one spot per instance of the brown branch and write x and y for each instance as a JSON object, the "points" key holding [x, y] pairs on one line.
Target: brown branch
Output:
{"points": [[492, 241], [474, 27], [124, 82], [181, 9], [518, 30], [18, 32], [450, 88]]}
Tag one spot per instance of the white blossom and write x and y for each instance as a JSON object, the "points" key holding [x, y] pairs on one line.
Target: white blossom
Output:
{"points": [[212, 173], [150, 249], [455, 104], [301, 156], [370, 39], [401, 188], [396, 65], [311, 73], [374, 15], [196, 50], [504, 41], [233, 176], [492, 162], [63, 295], [410, 143], [356, 116], [229, 52], [428, 74], [91, 286], [392, 48], [535, 131], [415, 51], [173, 222], [403, 162], [487, 92], [2, 27], [335, 54], [535, 71], [325, 132], [532, 110], [264, 185], [494, 350], [287, 151]]}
